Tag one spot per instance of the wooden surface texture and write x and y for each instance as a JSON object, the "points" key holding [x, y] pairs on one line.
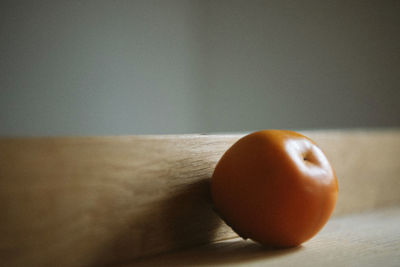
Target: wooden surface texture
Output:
{"points": [[369, 239], [92, 201]]}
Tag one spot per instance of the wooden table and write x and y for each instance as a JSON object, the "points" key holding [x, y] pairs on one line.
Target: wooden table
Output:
{"points": [[123, 200], [363, 239]]}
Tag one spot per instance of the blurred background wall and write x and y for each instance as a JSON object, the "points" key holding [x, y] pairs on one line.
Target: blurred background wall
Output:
{"points": [[152, 67]]}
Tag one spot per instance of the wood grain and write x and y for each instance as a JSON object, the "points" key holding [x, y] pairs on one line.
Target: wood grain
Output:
{"points": [[369, 239], [91, 201]]}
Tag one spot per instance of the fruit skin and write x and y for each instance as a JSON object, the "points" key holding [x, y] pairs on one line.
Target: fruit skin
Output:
{"points": [[275, 187]]}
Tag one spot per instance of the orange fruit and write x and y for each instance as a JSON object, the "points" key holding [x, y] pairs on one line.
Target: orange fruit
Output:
{"points": [[275, 187]]}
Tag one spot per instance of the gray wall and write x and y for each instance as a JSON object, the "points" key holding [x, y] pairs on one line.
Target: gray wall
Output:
{"points": [[140, 67]]}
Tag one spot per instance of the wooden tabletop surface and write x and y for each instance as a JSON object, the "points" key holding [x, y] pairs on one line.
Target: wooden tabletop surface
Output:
{"points": [[364, 239], [94, 201]]}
